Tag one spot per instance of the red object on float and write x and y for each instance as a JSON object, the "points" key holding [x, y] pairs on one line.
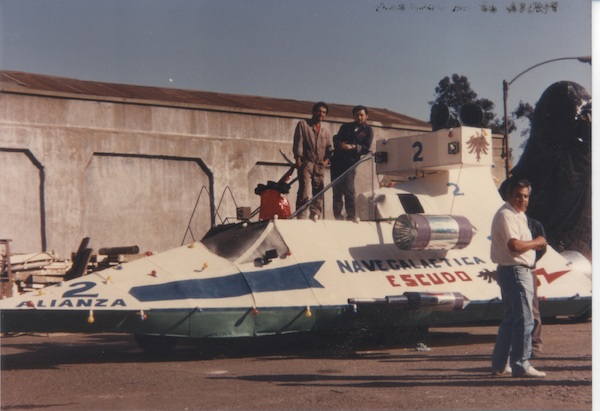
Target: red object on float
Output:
{"points": [[273, 203]]}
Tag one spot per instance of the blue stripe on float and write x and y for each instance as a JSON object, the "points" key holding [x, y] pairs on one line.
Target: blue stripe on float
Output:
{"points": [[294, 277]]}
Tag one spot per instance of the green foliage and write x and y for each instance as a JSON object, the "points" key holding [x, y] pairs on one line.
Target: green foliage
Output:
{"points": [[524, 110]]}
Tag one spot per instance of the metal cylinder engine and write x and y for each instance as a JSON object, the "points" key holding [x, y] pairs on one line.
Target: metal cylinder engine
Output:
{"points": [[432, 232]]}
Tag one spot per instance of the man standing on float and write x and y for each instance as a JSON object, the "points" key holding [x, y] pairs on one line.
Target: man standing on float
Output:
{"points": [[312, 150], [351, 142]]}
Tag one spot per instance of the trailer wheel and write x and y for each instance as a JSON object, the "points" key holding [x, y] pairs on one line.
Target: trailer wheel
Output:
{"points": [[159, 345]]}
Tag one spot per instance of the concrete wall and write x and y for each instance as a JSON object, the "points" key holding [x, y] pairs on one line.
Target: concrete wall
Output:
{"points": [[135, 174]]}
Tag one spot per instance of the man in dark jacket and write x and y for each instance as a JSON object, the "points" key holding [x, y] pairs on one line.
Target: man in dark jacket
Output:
{"points": [[351, 142]]}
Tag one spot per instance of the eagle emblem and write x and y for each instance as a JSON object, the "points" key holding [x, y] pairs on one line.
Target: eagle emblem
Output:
{"points": [[478, 144]]}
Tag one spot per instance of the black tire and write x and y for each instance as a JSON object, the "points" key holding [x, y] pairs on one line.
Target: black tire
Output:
{"points": [[158, 345]]}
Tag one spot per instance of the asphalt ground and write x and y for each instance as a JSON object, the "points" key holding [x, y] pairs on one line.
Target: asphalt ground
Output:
{"points": [[446, 369]]}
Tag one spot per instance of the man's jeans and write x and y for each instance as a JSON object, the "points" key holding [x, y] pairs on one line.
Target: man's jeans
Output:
{"points": [[514, 333], [343, 190]]}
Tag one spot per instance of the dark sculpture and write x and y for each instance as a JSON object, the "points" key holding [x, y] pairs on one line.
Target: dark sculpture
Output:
{"points": [[557, 160]]}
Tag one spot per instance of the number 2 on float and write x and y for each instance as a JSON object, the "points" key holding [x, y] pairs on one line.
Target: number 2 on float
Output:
{"points": [[80, 292], [419, 146], [457, 191]]}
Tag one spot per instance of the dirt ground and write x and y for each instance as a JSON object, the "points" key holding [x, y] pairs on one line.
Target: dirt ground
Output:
{"points": [[450, 371]]}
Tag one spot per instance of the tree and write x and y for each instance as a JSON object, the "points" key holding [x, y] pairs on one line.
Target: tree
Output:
{"points": [[455, 92], [524, 110]]}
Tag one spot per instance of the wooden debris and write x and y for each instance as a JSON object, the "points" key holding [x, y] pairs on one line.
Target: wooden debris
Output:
{"points": [[33, 271]]}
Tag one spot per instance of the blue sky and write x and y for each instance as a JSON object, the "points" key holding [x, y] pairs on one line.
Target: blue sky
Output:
{"points": [[380, 53]]}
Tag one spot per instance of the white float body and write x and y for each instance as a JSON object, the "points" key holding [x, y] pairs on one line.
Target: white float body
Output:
{"points": [[281, 276]]}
